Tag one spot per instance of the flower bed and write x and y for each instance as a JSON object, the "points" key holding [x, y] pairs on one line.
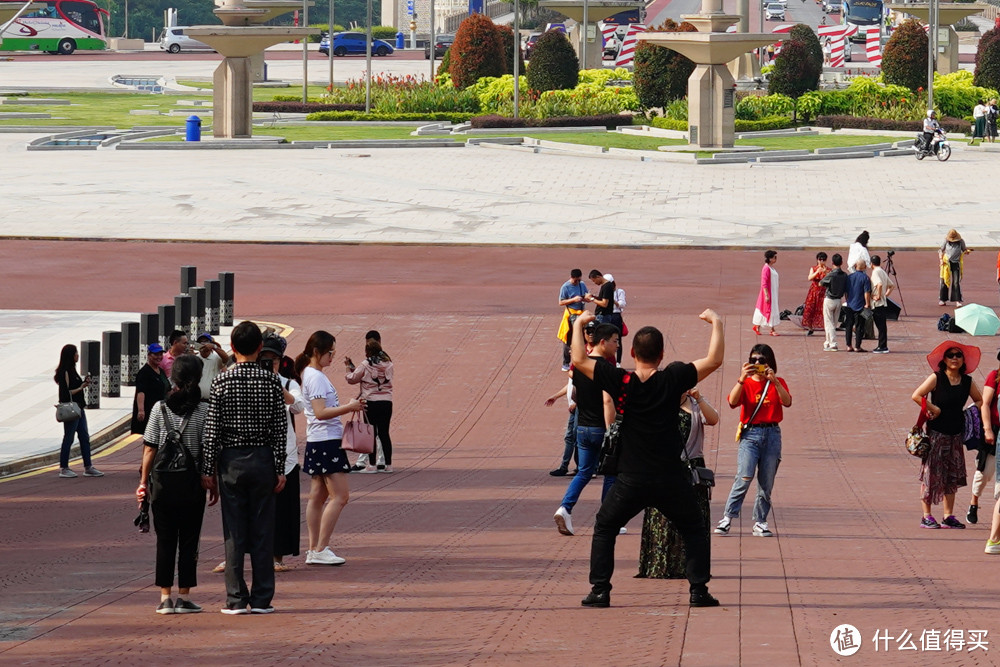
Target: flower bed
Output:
{"points": [[609, 121]]}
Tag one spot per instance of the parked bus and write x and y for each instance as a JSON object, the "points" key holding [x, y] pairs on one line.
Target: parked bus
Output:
{"points": [[61, 26], [863, 13]]}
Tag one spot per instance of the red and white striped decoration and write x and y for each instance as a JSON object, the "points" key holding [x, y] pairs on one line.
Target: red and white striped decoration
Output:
{"points": [[783, 28], [837, 35], [626, 54], [607, 32], [873, 46]]}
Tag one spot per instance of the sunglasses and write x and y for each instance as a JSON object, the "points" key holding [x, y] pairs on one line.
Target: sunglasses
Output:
{"points": [[758, 360], [953, 355]]}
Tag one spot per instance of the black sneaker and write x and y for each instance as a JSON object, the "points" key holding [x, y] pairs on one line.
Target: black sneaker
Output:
{"points": [[703, 599], [952, 522], [973, 515], [186, 607], [597, 600], [558, 472], [166, 607]]}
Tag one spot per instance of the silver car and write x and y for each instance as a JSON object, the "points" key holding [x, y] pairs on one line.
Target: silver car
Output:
{"points": [[774, 12], [174, 40]]}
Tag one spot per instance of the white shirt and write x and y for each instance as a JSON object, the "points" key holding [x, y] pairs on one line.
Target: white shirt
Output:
{"points": [[979, 111], [620, 302], [854, 253], [211, 366], [880, 277], [296, 408], [315, 384]]}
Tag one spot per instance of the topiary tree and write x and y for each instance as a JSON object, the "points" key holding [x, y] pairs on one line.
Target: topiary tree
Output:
{"points": [[553, 64], [803, 33], [476, 52], [795, 72], [509, 44], [987, 72], [661, 74], [445, 66], [904, 61]]}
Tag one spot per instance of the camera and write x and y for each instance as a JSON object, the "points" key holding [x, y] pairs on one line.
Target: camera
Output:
{"points": [[761, 368], [266, 364], [890, 253]]}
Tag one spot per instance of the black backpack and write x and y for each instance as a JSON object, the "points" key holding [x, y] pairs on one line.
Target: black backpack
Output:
{"points": [[173, 455]]}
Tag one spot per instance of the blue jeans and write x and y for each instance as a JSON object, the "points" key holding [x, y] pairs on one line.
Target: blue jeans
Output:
{"points": [[570, 440], [760, 452], [77, 427], [588, 449]]}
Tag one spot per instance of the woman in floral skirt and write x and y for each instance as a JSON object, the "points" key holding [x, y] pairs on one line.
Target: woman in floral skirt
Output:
{"points": [[812, 312]]}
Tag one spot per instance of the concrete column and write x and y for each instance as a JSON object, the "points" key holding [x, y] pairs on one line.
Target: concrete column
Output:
{"points": [[711, 115], [189, 278], [149, 333], [182, 313], [227, 287], [232, 99], [130, 363], [197, 295], [111, 364], [212, 290], [167, 318], [90, 364]]}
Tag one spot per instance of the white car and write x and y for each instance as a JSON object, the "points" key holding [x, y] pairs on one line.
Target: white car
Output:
{"points": [[174, 40], [774, 11]]}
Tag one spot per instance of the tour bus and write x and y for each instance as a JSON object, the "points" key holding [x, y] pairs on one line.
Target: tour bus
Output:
{"points": [[61, 26], [863, 13]]}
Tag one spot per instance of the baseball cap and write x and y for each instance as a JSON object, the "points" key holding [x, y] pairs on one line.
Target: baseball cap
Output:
{"points": [[275, 343], [154, 348], [203, 337]]}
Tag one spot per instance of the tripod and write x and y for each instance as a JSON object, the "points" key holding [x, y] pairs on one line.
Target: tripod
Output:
{"points": [[890, 269]]}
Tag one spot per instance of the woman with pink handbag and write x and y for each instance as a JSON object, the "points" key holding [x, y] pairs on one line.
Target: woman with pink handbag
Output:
{"points": [[375, 377]]}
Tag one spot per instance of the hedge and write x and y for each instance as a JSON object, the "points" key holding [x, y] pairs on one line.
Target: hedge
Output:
{"points": [[769, 123], [361, 115], [669, 124], [609, 121], [955, 125], [298, 107]]}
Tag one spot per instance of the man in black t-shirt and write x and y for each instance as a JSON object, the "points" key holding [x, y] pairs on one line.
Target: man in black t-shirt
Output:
{"points": [[605, 299], [650, 472]]}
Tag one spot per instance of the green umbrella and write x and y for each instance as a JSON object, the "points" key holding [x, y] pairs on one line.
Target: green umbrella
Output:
{"points": [[977, 320]]}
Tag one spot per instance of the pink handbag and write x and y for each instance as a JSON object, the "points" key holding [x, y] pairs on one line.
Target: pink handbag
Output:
{"points": [[359, 434]]}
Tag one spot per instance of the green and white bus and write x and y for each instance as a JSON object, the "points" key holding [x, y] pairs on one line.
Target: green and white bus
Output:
{"points": [[61, 26]]}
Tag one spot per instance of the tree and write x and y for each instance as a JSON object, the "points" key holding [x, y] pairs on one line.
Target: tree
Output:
{"points": [[988, 60], [509, 44], [904, 61], [661, 74], [553, 64], [805, 34], [795, 72], [476, 52]]}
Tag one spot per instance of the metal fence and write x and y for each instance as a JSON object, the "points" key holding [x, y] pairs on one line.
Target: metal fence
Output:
{"points": [[493, 10]]}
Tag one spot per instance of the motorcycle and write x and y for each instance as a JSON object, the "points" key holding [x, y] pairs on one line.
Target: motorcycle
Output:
{"points": [[939, 147]]}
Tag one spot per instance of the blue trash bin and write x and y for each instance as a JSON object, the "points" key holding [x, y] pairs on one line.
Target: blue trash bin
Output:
{"points": [[400, 40], [193, 129]]}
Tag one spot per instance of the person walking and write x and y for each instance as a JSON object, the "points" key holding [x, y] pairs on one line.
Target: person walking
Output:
{"points": [[375, 377], [176, 496], [151, 385], [858, 303], [244, 458], [986, 459], [766, 312], [835, 283], [761, 395], [942, 397], [882, 286], [325, 461], [951, 256], [569, 436], [650, 472], [812, 309], [71, 388], [572, 296]]}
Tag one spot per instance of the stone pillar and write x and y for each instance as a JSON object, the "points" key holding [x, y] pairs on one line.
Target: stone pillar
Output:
{"points": [[711, 117], [227, 285], [947, 60], [232, 99], [149, 333], [130, 361], [212, 291], [189, 278], [167, 318], [90, 365], [197, 295], [182, 313], [111, 364]]}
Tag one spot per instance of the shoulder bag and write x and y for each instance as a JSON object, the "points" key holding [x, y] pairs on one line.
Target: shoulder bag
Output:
{"points": [[359, 434], [917, 442], [611, 446], [68, 412], [741, 427]]}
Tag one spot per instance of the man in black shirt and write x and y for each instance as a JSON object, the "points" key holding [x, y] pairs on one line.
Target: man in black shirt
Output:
{"points": [[650, 472], [605, 299], [835, 283]]}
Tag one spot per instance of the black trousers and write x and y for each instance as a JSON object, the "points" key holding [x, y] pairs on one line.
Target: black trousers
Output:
{"points": [[616, 319], [854, 325], [953, 293], [380, 414], [178, 509], [246, 492], [673, 494], [288, 516], [879, 315]]}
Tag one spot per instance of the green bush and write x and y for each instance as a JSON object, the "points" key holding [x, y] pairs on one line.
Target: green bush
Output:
{"points": [[496, 96], [386, 32], [808, 105], [661, 74], [795, 71], [361, 115], [756, 107], [445, 66], [904, 62], [669, 124], [955, 94], [803, 33], [509, 44], [988, 60], [553, 65], [768, 123], [950, 125], [476, 52], [323, 27], [404, 94]]}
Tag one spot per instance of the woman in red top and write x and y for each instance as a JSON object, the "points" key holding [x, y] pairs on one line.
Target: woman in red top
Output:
{"points": [[760, 436], [812, 311], [991, 424]]}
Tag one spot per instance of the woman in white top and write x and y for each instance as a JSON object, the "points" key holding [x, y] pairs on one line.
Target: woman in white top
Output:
{"points": [[859, 250], [325, 461]]}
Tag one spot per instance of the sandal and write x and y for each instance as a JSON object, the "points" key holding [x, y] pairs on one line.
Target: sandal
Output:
{"points": [[221, 567], [774, 333], [281, 567], [756, 329]]}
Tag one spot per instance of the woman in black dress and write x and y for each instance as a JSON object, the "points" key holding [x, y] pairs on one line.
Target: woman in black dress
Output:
{"points": [[151, 385], [71, 387]]}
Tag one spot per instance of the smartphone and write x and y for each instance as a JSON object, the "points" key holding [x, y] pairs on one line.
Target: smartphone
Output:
{"points": [[761, 368]]}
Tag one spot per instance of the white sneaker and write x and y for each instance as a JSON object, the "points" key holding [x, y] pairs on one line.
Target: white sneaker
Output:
{"points": [[310, 554], [723, 527], [623, 530], [564, 522], [388, 468], [369, 469], [326, 557], [992, 547], [760, 529]]}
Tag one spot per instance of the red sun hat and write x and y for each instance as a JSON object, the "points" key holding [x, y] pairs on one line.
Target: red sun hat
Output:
{"points": [[971, 352]]}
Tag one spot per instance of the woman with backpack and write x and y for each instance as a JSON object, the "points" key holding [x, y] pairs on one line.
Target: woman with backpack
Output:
{"points": [[375, 376], [171, 461]]}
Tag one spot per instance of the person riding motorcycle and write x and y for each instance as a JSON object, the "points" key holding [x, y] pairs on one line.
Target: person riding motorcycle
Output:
{"points": [[930, 127]]}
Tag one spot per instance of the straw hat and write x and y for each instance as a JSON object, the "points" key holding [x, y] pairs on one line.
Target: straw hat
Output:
{"points": [[953, 236], [971, 353]]}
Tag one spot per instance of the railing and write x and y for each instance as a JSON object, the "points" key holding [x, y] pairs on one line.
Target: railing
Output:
{"points": [[493, 9]]}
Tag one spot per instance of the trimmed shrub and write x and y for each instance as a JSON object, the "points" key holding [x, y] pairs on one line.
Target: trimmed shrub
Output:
{"points": [[298, 107], [803, 33], [988, 60], [445, 66], [476, 52], [769, 123], [361, 115], [386, 32], [509, 44], [323, 27], [756, 107], [904, 61], [954, 125], [661, 74], [955, 95], [669, 124], [795, 72], [608, 121], [553, 65]]}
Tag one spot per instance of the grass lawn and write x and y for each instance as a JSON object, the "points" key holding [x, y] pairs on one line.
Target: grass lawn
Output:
{"points": [[816, 141]]}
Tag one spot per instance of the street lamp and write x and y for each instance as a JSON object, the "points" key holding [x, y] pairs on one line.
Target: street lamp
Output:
{"points": [[933, 18], [305, 53], [517, 56], [329, 50]]}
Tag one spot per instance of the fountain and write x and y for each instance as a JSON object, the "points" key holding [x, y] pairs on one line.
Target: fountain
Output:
{"points": [[948, 13], [240, 39], [594, 10]]}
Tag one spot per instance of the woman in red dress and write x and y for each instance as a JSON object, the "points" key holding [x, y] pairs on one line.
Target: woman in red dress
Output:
{"points": [[812, 313]]}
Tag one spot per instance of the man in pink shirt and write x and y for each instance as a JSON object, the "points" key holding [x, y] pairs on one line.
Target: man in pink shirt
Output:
{"points": [[178, 343]]}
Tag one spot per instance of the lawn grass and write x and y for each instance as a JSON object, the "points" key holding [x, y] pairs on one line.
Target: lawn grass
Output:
{"points": [[811, 142]]}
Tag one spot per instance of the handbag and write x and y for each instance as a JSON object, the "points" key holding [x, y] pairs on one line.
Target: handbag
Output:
{"points": [[741, 426], [68, 412], [359, 435], [917, 441], [702, 476], [611, 446]]}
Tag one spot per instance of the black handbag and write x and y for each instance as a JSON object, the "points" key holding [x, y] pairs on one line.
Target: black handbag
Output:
{"points": [[611, 446]]}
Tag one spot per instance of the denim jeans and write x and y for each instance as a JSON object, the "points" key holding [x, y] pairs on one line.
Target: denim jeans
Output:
{"points": [[77, 427], [760, 452], [588, 447], [569, 451]]}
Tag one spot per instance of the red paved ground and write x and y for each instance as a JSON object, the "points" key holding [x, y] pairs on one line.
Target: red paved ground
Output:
{"points": [[454, 559]]}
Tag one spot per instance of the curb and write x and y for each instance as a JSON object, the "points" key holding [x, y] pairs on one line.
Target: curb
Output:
{"points": [[98, 443]]}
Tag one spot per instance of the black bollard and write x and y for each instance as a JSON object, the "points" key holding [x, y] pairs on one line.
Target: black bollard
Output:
{"points": [[189, 278], [166, 323], [227, 282], [149, 333], [197, 311], [182, 314], [130, 353], [111, 364], [212, 291], [90, 366]]}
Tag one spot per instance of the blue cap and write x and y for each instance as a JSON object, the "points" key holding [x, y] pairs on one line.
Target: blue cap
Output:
{"points": [[154, 348], [204, 336]]}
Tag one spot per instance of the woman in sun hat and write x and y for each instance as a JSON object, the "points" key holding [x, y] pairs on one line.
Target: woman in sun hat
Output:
{"points": [[952, 254], [943, 396]]}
